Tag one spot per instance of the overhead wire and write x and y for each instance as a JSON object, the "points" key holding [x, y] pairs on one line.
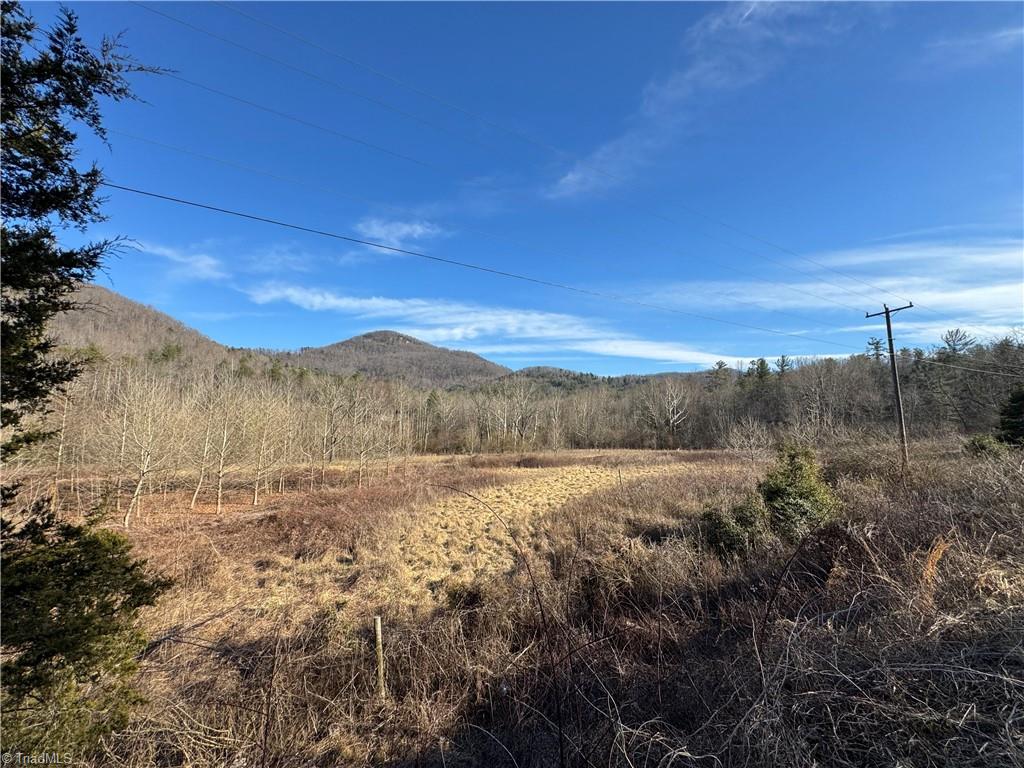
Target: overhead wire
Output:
{"points": [[313, 75], [548, 146], [438, 169], [502, 273], [398, 209], [416, 118], [929, 361], [467, 265]]}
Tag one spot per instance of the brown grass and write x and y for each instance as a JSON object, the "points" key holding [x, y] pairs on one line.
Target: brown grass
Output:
{"points": [[595, 629]]}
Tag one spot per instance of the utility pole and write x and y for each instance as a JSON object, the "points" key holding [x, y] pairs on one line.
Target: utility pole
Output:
{"points": [[896, 377]]}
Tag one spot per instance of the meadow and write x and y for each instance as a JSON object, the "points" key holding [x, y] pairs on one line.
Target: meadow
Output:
{"points": [[566, 609]]}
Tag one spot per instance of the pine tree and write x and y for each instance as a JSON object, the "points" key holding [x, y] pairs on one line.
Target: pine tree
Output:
{"points": [[1011, 418], [875, 349], [69, 591]]}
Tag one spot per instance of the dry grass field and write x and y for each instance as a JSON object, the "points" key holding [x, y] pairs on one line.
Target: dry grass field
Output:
{"points": [[560, 609]]}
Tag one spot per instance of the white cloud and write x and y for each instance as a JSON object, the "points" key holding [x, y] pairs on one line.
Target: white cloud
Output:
{"points": [[435, 320], [928, 332], [491, 330], [979, 285], [729, 48], [192, 264], [397, 233], [664, 352], [963, 255], [279, 258]]}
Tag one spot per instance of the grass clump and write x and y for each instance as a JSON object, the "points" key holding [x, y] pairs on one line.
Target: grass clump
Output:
{"points": [[791, 500]]}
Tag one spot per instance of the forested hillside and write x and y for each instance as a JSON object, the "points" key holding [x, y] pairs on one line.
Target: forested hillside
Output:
{"points": [[390, 355], [114, 326], [180, 405]]}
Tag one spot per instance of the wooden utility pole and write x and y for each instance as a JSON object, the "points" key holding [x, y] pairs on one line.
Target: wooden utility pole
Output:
{"points": [[895, 377]]}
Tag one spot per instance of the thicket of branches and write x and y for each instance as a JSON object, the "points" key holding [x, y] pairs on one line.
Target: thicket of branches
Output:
{"points": [[132, 426]]}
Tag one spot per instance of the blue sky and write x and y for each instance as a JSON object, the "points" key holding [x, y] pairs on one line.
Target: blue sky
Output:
{"points": [[781, 166]]}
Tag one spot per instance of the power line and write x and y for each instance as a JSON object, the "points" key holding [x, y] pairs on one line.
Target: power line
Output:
{"points": [[511, 275], [442, 171], [575, 157], [929, 361], [398, 209], [466, 265], [385, 105], [327, 81], [523, 136], [636, 208], [308, 123]]}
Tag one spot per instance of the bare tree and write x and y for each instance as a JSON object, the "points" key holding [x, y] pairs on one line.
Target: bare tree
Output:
{"points": [[749, 436], [662, 407], [153, 422]]}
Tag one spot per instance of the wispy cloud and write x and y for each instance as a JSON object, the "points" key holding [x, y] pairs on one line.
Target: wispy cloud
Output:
{"points": [[977, 284], [435, 320], [728, 49], [963, 256], [489, 329], [973, 50], [279, 258], [191, 264], [397, 233], [947, 229]]}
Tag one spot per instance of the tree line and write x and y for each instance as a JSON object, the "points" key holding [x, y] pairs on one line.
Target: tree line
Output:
{"points": [[161, 422]]}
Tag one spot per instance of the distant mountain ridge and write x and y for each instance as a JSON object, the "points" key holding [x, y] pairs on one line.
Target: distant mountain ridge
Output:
{"points": [[117, 326], [391, 355]]}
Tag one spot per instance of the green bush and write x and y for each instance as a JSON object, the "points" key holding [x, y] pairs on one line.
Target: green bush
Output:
{"points": [[70, 597], [984, 445], [791, 500], [795, 494], [736, 531]]}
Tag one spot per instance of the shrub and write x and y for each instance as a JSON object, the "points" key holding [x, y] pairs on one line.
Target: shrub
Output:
{"points": [[792, 499], [734, 532], [984, 445], [795, 494], [70, 598]]}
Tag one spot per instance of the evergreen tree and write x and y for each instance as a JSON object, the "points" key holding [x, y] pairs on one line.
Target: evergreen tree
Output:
{"points": [[1011, 418], [719, 376], [875, 349], [69, 591]]}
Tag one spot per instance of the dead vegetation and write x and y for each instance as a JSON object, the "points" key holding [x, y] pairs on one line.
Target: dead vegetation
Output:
{"points": [[610, 635]]}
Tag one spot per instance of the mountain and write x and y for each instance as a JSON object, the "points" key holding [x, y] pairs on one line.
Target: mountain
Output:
{"points": [[390, 355], [119, 327]]}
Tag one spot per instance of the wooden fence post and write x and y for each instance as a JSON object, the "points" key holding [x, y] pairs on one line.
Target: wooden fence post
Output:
{"points": [[378, 636]]}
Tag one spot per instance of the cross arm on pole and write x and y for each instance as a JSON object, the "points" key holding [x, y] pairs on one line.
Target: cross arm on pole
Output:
{"points": [[888, 311]]}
